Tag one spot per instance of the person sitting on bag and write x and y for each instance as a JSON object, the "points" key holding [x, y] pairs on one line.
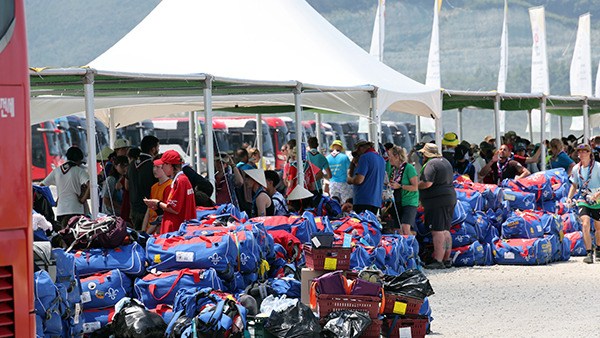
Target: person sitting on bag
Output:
{"points": [[276, 197], [255, 181], [69, 179], [180, 205]]}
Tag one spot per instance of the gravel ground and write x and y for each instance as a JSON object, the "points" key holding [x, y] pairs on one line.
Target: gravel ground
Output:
{"points": [[556, 300]]}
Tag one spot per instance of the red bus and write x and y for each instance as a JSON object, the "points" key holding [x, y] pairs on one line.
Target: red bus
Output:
{"points": [[46, 152], [17, 318], [279, 136], [242, 131]]}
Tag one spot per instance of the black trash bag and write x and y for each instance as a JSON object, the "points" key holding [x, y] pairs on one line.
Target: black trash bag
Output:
{"points": [[181, 324], [411, 283], [134, 321], [295, 321], [346, 323]]}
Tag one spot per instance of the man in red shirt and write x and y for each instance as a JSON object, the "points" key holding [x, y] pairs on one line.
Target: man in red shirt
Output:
{"points": [[180, 205]]}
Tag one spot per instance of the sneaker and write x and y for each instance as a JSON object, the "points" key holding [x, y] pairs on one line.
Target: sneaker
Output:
{"points": [[447, 263], [435, 265], [597, 254], [589, 258]]}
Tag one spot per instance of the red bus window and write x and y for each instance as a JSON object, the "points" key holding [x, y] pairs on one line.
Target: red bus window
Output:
{"points": [[7, 22]]}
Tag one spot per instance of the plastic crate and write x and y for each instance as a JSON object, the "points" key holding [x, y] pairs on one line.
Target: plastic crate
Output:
{"points": [[401, 305], [329, 303], [330, 259], [256, 327], [417, 324]]}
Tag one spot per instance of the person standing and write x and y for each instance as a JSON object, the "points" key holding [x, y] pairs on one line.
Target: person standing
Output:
{"points": [[339, 163], [559, 158], [315, 157], [227, 179], [69, 179], [462, 162], [586, 184], [366, 174], [405, 182], [438, 199], [181, 203], [112, 192], [140, 180], [160, 191], [276, 197]]}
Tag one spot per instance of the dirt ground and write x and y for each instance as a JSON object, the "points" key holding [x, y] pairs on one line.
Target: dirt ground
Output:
{"points": [[557, 300]]}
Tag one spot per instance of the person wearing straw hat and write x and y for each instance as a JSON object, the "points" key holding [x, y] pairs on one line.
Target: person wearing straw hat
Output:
{"points": [[366, 173], [298, 199], [586, 186], [262, 205], [438, 199], [181, 204], [339, 164]]}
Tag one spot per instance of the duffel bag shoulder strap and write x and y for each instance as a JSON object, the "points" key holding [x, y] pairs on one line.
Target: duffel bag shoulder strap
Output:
{"points": [[152, 287]]}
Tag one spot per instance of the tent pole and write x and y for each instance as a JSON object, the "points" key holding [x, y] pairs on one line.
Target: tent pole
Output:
{"points": [[299, 132], [497, 120], [543, 130], [560, 127], [112, 131], [88, 88], [318, 131], [141, 130], [459, 122], [210, 150], [196, 156], [586, 122], [439, 132], [192, 139], [259, 139], [530, 123], [374, 121], [418, 129]]}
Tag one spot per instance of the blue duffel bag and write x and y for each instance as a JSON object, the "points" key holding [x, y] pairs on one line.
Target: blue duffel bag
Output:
{"points": [[130, 259], [577, 244], [555, 247], [565, 252], [468, 255], [462, 211], [521, 251], [161, 288], [97, 319], [105, 289], [459, 235], [192, 251], [519, 200], [473, 197], [67, 280], [49, 304], [522, 225]]}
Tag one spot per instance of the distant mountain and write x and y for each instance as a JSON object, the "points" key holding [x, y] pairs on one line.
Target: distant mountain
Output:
{"points": [[73, 32]]}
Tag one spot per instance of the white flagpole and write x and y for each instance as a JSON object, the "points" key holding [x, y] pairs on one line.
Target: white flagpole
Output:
{"points": [[433, 78], [503, 73], [580, 75]]}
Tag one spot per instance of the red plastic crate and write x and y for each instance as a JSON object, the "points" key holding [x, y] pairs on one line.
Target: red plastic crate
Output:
{"points": [[330, 259], [329, 303], [401, 305], [418, 326], [373, 330]]}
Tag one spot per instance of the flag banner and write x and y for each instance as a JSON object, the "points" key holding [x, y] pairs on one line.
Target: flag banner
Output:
{"points": [[378, 38], [580, 76]]}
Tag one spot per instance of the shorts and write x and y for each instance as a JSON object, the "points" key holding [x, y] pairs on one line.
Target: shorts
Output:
{"points": [[358, 208], [439, 218], [341, 189], [408, 215], [592, 213]]}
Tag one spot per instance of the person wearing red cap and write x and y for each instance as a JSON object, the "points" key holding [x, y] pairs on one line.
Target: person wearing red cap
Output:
{"points": [[180, 205]]}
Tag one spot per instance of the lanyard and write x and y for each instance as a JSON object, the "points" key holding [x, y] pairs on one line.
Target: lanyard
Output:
{"points": [[501, 168], [398, 172], [584, 183]]}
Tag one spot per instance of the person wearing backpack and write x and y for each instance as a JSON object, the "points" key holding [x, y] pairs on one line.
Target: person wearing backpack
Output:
{"points": [[276, 197], [181, 204], [405, 182], [69, 179]]}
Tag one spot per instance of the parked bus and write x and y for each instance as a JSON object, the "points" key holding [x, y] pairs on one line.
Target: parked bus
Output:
{"points": [[16, 262], [64, 137], [242, 131], [338, 133], [327, 134], [279, 136], [136, 132], [351, 134], [46, 152]]}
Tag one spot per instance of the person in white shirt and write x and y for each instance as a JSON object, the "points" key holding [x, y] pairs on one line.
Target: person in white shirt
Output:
{"points": [[69, 179]]}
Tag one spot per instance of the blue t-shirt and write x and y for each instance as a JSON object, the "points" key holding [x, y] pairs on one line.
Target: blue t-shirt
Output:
{"points": [[372, 166], [562, 161], [316, 158], [339, 165]]}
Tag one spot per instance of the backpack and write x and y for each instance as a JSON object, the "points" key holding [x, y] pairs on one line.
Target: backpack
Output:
{"points": [[83, 233], [332, 283]]}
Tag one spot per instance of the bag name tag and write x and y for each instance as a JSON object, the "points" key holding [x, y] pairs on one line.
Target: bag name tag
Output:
{"points": [[539, 228], [509, 255], [91, 327], [405, 332], [86, 297], [330, 263], [400, 308], [509, 197], [77, 313], [183, 256]]}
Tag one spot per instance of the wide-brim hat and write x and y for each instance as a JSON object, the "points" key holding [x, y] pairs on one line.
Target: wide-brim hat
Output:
{"points": [[430, 150], [510, 135], [258, 175], [104, 154], [450, 139], [299, 193], [361, 143], [337, 143], [489, 138], [583, 146]]}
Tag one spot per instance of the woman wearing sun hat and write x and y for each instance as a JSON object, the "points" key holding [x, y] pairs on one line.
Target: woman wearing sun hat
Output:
{"points": [[339, 164], [181, 204], [438, 199]]}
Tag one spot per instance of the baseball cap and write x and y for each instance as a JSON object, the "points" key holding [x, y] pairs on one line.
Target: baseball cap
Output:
{"points": [[170, 157], [121, 143], [337, 143], [104, 154]]}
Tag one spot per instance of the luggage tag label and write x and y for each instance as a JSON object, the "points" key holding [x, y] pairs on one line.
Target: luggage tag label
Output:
{"points": [[86, 297], [347, 241], [90, 327], [539, 228], [509, 255], [405, 332], [183, 256], [330, 263], [509, 197], [315, 242], [77, 313], [400, 308]]}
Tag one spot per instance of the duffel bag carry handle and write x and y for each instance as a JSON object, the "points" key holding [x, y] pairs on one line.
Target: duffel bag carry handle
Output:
{"points": [[152, 287]]}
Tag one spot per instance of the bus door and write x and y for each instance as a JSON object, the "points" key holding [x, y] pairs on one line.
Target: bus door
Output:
{"points": [[45, 150]]}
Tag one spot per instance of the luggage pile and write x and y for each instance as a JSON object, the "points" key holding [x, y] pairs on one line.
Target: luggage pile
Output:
{"points": [[524, 221]]}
